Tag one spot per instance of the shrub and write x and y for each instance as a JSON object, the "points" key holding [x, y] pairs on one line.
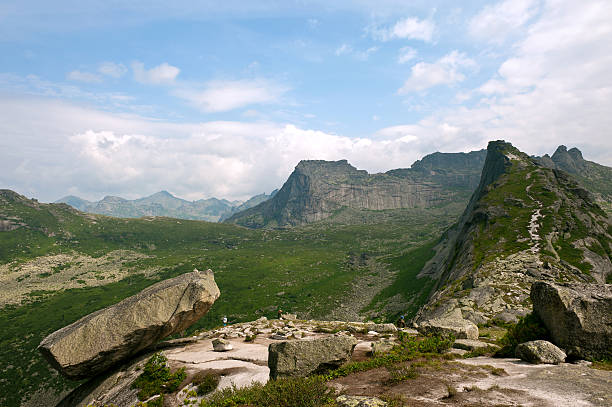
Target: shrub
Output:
{"points": [[289, 392], [157, 378], [206, 382], [529, 328]]}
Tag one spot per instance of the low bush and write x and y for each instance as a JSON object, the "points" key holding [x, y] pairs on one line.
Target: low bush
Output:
{"points": [[289, 392], [205, 382], [157, 378]]}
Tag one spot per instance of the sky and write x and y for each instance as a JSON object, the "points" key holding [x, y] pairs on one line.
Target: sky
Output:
{"points": [[224, 98]]}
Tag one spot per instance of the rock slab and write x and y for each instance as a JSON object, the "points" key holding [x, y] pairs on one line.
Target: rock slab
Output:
{"points": [[111, 335], [578, 316], [540, 352], [299, 358]]}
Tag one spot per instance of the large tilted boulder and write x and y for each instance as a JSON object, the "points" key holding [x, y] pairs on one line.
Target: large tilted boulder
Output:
{"points": [[459, 327], [106, 337], [578, 316], [539, 352], [299, 358]]}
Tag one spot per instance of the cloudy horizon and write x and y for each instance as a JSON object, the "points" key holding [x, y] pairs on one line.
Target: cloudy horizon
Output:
{"points": [[223, 100]]}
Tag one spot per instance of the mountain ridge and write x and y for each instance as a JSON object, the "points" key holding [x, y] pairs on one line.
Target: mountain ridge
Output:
{"points": [[317, 189]]}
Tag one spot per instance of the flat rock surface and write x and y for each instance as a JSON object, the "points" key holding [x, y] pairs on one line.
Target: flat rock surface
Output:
{"points": [[565, 384]]}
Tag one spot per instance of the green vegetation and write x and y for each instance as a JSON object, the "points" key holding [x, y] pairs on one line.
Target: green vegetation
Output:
{"points": [[205, 382], [528, 328], [290, 392], [157, 378]]}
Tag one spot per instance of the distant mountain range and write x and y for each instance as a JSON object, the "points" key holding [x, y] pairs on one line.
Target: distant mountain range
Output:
{"points": [[164, 203]]}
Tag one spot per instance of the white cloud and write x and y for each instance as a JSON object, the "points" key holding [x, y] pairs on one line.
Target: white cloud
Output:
{"points": [[445, 71], [406, 54], [495, 22], [408, 28], [346, 49], [112, 69], [81, 76], [161, 74], [225, 95]]}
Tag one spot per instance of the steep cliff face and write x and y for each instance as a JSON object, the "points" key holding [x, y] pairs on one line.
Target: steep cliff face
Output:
{"points": [[525, 222], [316, 189]]}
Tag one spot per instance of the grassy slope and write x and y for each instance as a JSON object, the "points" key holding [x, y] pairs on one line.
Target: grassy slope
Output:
{"points": [[303, 270]]}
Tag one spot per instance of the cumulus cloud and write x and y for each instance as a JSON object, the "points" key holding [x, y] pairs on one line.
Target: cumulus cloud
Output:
{"points": [[445, 71], [225, 95], [161, 74], [80, 76], [495, 22], [411, 28], [112, 69]]}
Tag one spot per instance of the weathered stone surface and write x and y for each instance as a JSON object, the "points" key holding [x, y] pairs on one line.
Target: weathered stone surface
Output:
{"points": [[540, 352], [221, 345], [360, 401], [106, 337], [303, 357], [578, 316], [460, 328], [471, 344]]}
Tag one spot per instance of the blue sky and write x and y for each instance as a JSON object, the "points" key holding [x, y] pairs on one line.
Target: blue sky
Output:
{"points": [[224, 98]]}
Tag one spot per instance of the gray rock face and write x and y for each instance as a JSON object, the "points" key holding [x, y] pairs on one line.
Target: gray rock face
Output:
{"points": [[578, 316], [540, 352], [382, 328], [303, 357], [106, 337], [460, 328], [471, 344]]}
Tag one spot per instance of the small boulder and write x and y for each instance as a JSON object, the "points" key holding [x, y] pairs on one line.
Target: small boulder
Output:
{"points": [[459, 327], [578, 316], [382, 328], [360, 401], [471, 345], [540, 352], [221, 345], [382, 346], [111, 335], [301, 358]]}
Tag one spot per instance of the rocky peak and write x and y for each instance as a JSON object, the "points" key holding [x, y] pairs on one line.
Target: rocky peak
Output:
{"points": [[332, 169], [525, 222]]}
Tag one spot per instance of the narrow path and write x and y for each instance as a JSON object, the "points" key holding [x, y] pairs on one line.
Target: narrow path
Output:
{"points": [[534, 224]]}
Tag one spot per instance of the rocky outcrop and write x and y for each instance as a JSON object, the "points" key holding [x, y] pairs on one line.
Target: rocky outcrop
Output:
{"points": [[302, 358], [524, 223], [540, 352], [578, 316], [316, 189], [360, 401], [109, 336]]}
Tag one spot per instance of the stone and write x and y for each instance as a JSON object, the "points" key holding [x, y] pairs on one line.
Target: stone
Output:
{"points": [[540, 352], [360, 401], [382, 328], [221, 345], [301, 358], [382, 346], [290, 317], [459, 327], [578, 317], [111, 335], [470, 344]]}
